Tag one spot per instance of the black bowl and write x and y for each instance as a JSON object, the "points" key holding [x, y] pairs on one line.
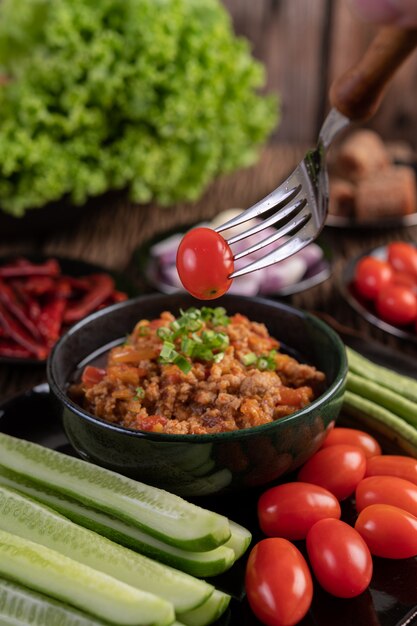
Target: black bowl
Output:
{"points": [[193, 465]]}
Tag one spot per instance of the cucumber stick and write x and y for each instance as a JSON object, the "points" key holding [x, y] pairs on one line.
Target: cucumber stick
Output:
{"points": [[29, 519], [208, 612], [19, 605], [56, 575], [159, 513], [240, 539], [202, 564]]}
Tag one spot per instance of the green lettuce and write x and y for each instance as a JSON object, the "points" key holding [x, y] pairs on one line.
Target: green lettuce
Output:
{"points": [[156, 97]]}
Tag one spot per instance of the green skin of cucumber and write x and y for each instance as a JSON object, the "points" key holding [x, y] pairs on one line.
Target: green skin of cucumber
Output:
{"points": [[157, 512], [33, 521], [47, 571], [208, 612], [200, 564]]}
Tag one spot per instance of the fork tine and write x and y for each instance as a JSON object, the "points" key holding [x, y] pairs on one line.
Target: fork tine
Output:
{"points": [[294, 225], [277, 217], [276, 198], [290, 247]]}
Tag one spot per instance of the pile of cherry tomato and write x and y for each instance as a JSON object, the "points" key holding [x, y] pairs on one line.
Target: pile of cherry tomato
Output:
{"points": [[279, 582], [391, 284]]}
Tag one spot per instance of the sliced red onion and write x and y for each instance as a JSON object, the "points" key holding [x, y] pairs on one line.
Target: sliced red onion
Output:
{"points": [[280, 275], [170, 275], [246, 285], [312, 254], [166, 250]]}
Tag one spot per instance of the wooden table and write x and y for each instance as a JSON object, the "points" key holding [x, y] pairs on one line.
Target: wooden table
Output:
{"points": [[107, 235]]}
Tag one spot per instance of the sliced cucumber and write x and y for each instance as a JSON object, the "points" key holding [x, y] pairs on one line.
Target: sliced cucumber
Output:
{"points": [[19, 606], [29, 519], [201, 564], [239, 539], [49, 572], [159, 513], [208, 612]]}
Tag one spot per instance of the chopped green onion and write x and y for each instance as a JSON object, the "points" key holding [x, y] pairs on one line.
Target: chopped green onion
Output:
{"points": [[143, 330], [184, 365], [167, 351], [249, 359], [163, 332], [218, 357], [140, 392], [262, 363], [187, 346]]}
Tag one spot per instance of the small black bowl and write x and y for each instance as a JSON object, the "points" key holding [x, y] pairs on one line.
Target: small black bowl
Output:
{"points": [[193, 465]]}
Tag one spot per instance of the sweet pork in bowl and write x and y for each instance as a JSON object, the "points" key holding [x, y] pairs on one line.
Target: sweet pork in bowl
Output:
{"points": [[198, 403]]}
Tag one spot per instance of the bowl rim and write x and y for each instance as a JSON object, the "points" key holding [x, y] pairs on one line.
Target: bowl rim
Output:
{"points": [[336, 385]]}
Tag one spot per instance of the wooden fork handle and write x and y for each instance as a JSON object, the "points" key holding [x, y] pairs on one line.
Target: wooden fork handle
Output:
{"points": [[358, 92]]}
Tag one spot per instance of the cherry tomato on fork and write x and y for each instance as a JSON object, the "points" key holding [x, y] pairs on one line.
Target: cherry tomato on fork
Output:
{"points": [[204, 263], [278, 583]]}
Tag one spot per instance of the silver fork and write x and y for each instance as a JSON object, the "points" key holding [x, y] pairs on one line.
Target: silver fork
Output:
{"points": [[302, 199]]}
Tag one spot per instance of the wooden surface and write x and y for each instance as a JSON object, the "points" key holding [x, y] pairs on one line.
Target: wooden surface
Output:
{"points": [[108, 236], [304, 45]]}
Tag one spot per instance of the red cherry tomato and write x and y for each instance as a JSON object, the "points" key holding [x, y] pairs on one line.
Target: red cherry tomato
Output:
{"points": [[339, 557], [92, 376], [402, 257], [371, 275], [393, 465], [388, 531], [405, 280], [396, 304], [353, 437], [387, 490], [336, 468], [204, 263], [290, 510], [278, 583]]}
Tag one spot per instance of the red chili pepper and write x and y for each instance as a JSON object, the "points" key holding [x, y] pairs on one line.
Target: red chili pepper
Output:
{"points": [[13, 305], [118, 296], [32, 306], [20, 335], [50, 320], [38, 285], [10, 349], [78, 284], [17, 270], [102, 286]]}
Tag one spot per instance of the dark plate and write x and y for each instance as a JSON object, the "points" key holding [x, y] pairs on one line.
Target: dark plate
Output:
{"points": [[143, 263], [70, 267], [364, 307], [338, 221], [391, 599]]}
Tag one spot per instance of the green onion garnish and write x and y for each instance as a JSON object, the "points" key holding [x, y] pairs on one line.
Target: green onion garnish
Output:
{"points": [[263, 362], [143, 330], [189, 336], [249, 359], [140, 392]]}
